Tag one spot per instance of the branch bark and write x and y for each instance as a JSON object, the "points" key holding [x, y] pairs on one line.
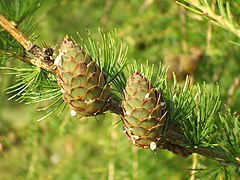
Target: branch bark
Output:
{"points": [[219, 19], [176, 136], [41, 58], [19, 36]]}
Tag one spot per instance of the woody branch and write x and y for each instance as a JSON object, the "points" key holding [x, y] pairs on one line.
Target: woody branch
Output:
{"points": [[28, 45]]}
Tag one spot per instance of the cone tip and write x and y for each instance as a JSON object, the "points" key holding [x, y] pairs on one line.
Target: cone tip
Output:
{"points": [[68, 38]]}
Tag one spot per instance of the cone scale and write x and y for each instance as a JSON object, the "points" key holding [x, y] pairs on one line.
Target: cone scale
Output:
{"points": [[144, 112], [84, 85]]}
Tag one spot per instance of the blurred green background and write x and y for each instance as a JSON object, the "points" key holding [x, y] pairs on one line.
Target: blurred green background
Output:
{"points": [[65, 147]]}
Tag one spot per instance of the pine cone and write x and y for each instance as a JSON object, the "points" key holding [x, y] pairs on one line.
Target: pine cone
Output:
{"points": [[144, 112], [84, 85]]}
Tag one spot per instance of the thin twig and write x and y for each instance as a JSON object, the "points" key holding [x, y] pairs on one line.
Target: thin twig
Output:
{"points": [[34, 158], [210, 30], [232, 90], [135, 163], [40, 59], [194, 166], [19, 36], [146, 5], [183, 24], [38, 62], [176, 137], [106, 14], [113, 146], [208, 13]]}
